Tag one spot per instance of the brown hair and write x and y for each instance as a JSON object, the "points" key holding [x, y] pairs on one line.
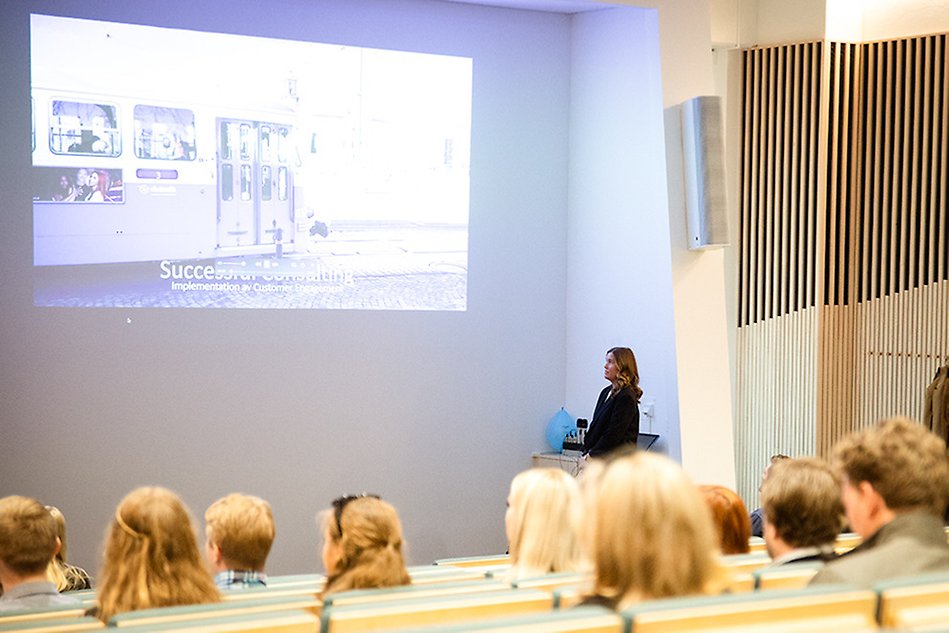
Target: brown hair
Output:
{"points": [[903, 461], [801, 501], [27, 535], [370, 545], [151, 556], [243, 527], [651, 536], [730, 518], [628, 370]]}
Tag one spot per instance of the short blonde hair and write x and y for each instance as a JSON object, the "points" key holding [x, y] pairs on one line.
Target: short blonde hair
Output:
{"points": [[370, 544], [243, 527], [652, 534], [801, 501], [27, 535], [903, 461], [151, 556], [545, 506]]}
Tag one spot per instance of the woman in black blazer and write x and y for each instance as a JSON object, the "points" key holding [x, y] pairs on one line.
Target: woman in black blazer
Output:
{"points": [[615, 419]]}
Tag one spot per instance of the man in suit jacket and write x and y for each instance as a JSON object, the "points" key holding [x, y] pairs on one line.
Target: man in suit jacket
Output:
{"points": [[802, 511], [895, 484]]}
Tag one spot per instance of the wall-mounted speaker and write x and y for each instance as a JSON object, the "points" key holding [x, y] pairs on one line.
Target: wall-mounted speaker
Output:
{"points": [[703, 155]]}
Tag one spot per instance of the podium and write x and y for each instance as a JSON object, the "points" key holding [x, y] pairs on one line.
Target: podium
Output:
{"points": [[569, 461]]}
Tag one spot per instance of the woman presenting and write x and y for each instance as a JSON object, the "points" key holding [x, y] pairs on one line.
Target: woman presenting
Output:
{"points": [[616, 417]]}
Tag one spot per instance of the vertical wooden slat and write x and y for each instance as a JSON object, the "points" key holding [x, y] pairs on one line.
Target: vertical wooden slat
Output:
{"points": [[784, 273]]}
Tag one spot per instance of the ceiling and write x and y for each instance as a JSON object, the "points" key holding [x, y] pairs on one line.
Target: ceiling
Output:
{"points": [[553, 6]]}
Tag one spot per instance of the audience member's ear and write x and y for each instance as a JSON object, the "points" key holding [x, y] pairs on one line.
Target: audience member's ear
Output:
{"points": [[215, 557], [57, 548]]}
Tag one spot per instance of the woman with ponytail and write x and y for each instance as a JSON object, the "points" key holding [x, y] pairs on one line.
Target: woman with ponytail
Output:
{"points": [[362, 544], [151, 557], [615, 420]]}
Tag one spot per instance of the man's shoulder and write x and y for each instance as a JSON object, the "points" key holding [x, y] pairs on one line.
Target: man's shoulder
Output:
{"points": [[895, 557]]}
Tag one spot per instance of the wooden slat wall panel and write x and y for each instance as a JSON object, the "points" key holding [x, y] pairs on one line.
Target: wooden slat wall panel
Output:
{"points": [[777, 361], [844, 241]]}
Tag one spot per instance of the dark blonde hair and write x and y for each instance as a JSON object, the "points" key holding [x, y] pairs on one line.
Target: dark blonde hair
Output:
{"points": [[801, 501], [243, 527], [651, 535], [370, 545], [27, 535], [151, 556], [628, 370], [730, 517], [903, 461]]}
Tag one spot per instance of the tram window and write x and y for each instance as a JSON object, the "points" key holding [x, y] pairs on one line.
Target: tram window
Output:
{"points": [[83, 128], [283, 141], [245, 182], [265, 193], [227, 181], [265, 143], [164, 133], [227, 140], [247, 142], [282, 183]]}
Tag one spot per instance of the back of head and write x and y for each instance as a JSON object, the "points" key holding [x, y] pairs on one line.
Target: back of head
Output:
{"points": [[243, 527], [151, 556], [652, 535], [801, 501], [730, 518], [543, 522], [27, 535], [903, 461], [370, 545]]}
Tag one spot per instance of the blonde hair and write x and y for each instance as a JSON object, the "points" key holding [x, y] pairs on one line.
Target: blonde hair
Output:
{"points": [[27, 535], [903, 461], [66, 577], [652, 535], [544, 504], [370, 545], [730, 517], [243, 527], [151, 556], [801, 501]]}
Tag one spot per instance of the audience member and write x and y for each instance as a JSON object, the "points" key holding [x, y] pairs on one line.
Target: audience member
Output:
{"points": [[730, 518], [66, 577], [651, 534], [362, 544], [240, 531], [542, 522], [757, 520], [895, 483], [28, 543], [151, 556], [803, 513]]}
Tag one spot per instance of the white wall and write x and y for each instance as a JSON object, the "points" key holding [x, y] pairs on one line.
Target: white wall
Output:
{"points": [[619, 284], [698, 277], [434, 411]]}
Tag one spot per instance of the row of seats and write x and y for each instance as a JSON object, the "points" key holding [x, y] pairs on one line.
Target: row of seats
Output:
{"points": [[291, 604]]}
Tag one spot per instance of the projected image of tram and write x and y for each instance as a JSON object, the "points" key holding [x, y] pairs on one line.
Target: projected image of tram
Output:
{"points": [[298, 175]]}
